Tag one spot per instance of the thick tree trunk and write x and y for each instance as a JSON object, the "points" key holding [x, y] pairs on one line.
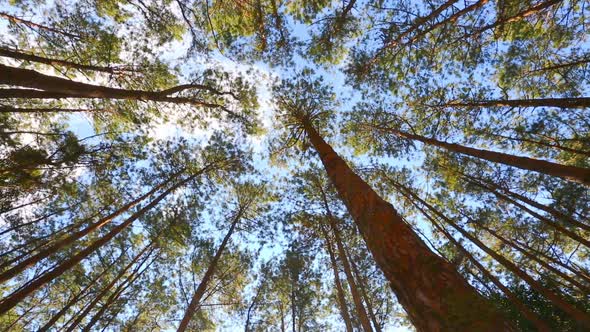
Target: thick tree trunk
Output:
{"points": [[572, 173], [56, 87], [56, 247], [196, 299], [435, 296], [356, 297], [580, 102], [581, 317], [13, 299], [539, 324], [339, 289]]}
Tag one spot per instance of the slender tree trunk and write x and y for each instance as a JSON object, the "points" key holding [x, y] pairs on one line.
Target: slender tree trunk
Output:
{"points": [[194, 305], [579, 102], [365, 295], [532, 257], [116, 294], [38, 26], [583, 274], [356, 297], [539, 324], [420, 33], [517, 17], [74, 300], [549, 222], [104, 291], [10, 273], [572, 173], [544, 144], [10, 109], [56, 62], [339, 290], [251, 308], [433, 293], [293, 311], [581, 317], [494, 188], [13, 299]]}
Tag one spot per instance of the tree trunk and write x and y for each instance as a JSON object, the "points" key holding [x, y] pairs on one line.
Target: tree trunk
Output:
{"points": [[117, 293], [539, 324], [549, 222], [581, 317], [356, 297], [56, 87], [534, 258], [13, 299], [196, 299], [572, 173], [38, 26], [494, 187], [339, 290], [56, 62], [10, 109], [517, 17], [434, 295], [580, 102], [362, 287], [109, 286], [74, 300], [10, 273]]}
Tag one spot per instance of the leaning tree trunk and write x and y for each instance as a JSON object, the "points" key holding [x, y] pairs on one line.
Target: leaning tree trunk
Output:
{"points": [[104, 291], [13, 299], [196, 299], [433, 293], [364, 293], [539, 324], [580, 316], [572, 173], [56, 247], [577, 102]]}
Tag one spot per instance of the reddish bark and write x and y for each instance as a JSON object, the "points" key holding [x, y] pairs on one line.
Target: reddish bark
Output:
{"points": [[539, 324], [434, 294], [581, 317]]}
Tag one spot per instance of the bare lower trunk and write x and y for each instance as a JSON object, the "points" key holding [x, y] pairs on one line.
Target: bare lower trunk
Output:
{"points": [[432, 292], [109, 286], [539, 324], [581, 317], [356, 297], [363, 288]]}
